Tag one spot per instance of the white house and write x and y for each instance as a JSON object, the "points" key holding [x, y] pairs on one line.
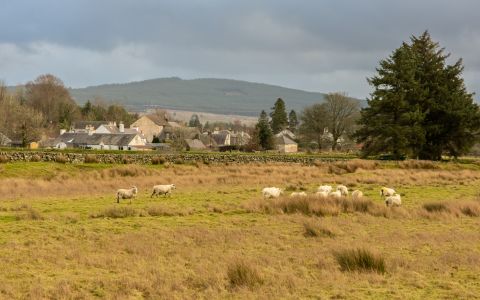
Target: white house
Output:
{"points": [[99, 141]]}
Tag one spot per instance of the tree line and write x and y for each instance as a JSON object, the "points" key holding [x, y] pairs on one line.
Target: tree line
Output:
{"points": [[44, 105], [419, 108]]}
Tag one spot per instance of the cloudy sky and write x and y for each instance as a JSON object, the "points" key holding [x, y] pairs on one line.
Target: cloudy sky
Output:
{"points": [[316, 45]]}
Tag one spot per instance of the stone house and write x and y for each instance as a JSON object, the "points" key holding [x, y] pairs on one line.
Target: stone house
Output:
{"points": [[100, 141], [194, 144], [154, 125], [285, 144]]}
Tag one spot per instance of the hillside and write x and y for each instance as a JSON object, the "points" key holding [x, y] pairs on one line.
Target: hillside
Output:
{"points": [[221, 96]]}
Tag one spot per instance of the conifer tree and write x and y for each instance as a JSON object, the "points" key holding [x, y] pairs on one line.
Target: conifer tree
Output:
{"points": [[292, 121], [279, 117], [263, 136], [420, 107]]}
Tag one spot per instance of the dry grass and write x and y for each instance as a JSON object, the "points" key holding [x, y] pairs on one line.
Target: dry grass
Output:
{"points": [[360, 260], [314, 206], [91, 159], [314, 229], [29, 213], [456, 208], [117, 212], [4, 159], [243, 274]]}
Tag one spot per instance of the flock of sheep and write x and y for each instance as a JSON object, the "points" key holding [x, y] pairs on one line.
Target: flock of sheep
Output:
{"points": [[163, 189], [323, 192], [326, 191]]}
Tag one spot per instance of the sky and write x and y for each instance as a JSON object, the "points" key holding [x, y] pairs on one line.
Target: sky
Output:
{"points": [[314, 45]]}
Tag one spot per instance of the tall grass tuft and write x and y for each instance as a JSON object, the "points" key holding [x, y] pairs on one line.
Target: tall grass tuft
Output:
{"points": [[91, 159], [116, 212], [29, 214], [313, 229], [4, 159], [435, 207], [360, 260], [243, 274], [61, 159]]}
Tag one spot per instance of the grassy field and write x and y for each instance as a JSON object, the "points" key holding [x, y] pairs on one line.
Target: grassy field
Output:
{"points": [[64, 237]]}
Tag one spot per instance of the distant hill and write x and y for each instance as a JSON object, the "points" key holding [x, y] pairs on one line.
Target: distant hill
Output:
{"points": [[221, 96]]}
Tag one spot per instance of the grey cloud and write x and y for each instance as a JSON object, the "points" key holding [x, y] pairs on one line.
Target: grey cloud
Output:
{"points": [[315, 45]]}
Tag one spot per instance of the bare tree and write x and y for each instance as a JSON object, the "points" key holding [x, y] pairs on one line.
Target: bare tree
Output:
{"points": [[340, 113]]}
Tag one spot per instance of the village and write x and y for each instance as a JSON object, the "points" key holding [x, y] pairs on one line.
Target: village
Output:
{"points": [[151, 132]]}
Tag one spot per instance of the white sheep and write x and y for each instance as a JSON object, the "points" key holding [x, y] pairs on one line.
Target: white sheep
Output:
{"points": [[164, 189], [127, 194], [343, 190], [385, 192], [357, 195], [335, 195], [394, 200], [271, 192], [298, 194], [322, 195], [325, 188]]}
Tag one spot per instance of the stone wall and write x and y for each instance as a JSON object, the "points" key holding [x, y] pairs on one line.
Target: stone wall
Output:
{"points": [[147, 158]]}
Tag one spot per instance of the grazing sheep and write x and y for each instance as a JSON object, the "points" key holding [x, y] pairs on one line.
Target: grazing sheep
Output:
{"points": [[271, 192], [335, 195], [385, 192], [394, 200], [322, 195], [127, 194], [325, 188], [343, 189], [298, 194], [165, 189], [357, 195]]}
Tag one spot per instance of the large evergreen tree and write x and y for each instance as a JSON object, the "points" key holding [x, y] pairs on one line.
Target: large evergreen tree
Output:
{"points": [[263, 136], [279, 116], [419, 107]]}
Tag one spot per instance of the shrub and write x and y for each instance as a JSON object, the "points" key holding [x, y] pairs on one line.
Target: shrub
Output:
{"points": [[116, 212], [35, 158], [29, 214], [242, 274], [91, 159], [316, 230], [62, 159], [158, 160], [179, 161], [361, 260], [435, 207], [4, 159]]}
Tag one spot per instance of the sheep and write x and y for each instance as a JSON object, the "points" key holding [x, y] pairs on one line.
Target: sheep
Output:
{"points": [[127, 194], [165, 189], [325, 188], [394, 200], [343, 190], [298, 194], [357, 195], [335, 195], [322, 195], [271, 192], [385, 192]]}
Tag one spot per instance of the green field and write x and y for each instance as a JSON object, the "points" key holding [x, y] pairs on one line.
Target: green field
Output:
{"points": [[63, 236]]}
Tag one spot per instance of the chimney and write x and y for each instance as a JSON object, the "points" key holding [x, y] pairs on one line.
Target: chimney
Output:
{"points": [[62, 131], [121, 127]]}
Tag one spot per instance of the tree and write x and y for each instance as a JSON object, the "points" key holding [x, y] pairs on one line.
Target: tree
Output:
{"points": [[292, 121], [340, 111], [262, 136], [279, 116], [420, 106], [48, 95], [195, 122], [313, 122], [19, 121]]}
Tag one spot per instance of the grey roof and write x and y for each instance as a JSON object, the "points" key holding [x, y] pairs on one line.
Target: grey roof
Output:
{"points": [[160, 118], [84, 124], [195, 144], [115, 129], [220, 137], [284, 140], [4, 140], [121, 139]]}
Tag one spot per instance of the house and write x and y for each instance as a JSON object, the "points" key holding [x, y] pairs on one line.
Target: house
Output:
{"points": [[288, 133], [4, 140], [99, 141], [222, 137], [194, 144], [240, 138], [285, 144], [153, 125]]}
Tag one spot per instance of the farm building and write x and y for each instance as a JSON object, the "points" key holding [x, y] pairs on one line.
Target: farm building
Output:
{"points": [[285, 145], [155, 125], [194, 144], [99, 141]]}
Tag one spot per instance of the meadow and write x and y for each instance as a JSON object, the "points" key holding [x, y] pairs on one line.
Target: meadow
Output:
{"points": [[63, 236]]}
